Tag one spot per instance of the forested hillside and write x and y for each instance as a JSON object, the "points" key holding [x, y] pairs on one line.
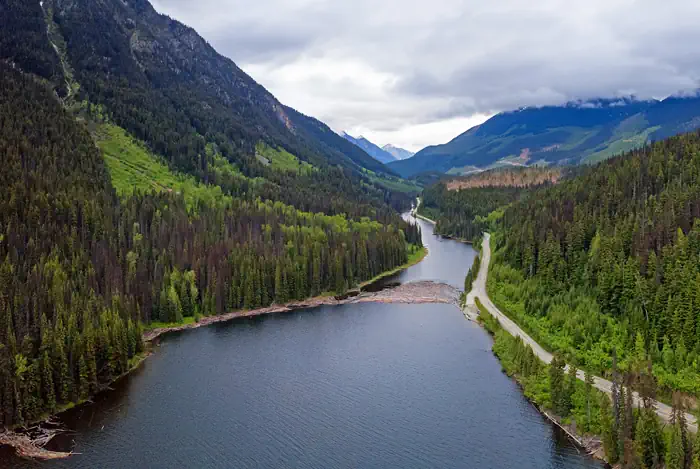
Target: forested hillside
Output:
{"points": [[609, 260], [164, 85], [82, 269], [461, 206]]}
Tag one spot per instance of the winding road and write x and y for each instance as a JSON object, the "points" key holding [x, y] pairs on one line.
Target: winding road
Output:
{"points": [[414, 212], [471, 311]]}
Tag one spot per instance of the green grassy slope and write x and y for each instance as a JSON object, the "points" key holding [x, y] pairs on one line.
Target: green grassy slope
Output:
{"points": [[134, 168]]}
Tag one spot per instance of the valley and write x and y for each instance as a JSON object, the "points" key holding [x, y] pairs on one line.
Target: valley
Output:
{"points": [[197, 272], [290, 385]]}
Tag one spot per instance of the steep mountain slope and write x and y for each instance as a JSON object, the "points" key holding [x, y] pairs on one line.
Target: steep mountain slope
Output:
{"points": [[397, 152], [165, 85], [373, 150], [23, 40], [124, 64], [576, 133]]}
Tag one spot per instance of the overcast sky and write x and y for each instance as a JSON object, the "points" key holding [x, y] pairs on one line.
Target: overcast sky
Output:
{"points": [[415, 73]]}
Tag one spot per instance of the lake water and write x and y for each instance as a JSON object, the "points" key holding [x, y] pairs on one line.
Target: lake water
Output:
{"points": [[353, 386]]}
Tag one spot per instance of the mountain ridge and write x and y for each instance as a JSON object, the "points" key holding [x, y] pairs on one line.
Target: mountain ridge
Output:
{"points": [[574, 133], [397, 152], [141, 64]]}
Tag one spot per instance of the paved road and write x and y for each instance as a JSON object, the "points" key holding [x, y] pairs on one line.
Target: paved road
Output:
{"points": [[470, 310], [414, 212]]}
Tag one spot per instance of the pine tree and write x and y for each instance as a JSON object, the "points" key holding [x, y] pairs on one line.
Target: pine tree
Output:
{"points": [[675, 456], [62, 376], [649, 439], [557, 385], [280, 288], [570, 390], [588, 392], [316, 274], [84, 378], [668, 355], [48, 390], [340, 282], [607, 423], [696, 452]]}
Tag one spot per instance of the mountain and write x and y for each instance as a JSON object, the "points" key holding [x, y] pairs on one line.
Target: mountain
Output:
{"points": [[146, 179], [373, 150], [580, 132], [163, 83], [398, 153]]}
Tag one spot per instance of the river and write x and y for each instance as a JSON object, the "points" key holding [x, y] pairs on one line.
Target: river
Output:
{"points": [[352, 386]]}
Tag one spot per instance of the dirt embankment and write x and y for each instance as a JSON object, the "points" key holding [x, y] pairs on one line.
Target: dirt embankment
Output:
{"points": [[30, 443]]}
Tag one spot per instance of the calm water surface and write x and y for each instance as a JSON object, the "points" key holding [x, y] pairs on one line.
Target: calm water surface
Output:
{"points": [[448, 261], [352, 386]]}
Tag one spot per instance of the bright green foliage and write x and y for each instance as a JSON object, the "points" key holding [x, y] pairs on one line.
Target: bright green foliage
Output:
{"points": [[281, 160], [392, 183], [519, 361], [133, 168], [636, 442]]}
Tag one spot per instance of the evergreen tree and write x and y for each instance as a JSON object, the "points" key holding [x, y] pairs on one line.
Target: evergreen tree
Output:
{"points": [[610, 436], [649, 439], [588, 392], [570, 390], [675, 456], [48, 392], [557, 386]]}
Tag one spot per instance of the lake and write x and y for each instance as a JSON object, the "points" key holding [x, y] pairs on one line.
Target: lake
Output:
{"points": [[352, 386]]}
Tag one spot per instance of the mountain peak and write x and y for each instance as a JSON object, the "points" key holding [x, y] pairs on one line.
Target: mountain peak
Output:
{"points": [[373, 150], [397, 152]]}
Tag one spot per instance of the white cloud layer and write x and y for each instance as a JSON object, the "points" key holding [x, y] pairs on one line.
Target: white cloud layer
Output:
{"points": [[412, 72]]}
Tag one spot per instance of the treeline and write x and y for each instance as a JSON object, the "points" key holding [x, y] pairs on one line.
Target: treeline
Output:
{"points": [[82, 270], [472, 274], [462, 213], [610, 257], [632, 433]]}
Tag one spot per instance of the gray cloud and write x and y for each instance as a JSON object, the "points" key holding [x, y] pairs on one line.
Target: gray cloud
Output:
{"points": [[385, 69]]}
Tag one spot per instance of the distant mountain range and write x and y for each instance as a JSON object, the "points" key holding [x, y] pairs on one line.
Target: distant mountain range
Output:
{"points": [[398, 153], [372, 150], [386, 154], [578, 132]]}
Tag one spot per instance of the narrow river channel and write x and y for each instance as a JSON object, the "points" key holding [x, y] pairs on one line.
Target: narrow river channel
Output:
{"points": [[353, 386]]}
